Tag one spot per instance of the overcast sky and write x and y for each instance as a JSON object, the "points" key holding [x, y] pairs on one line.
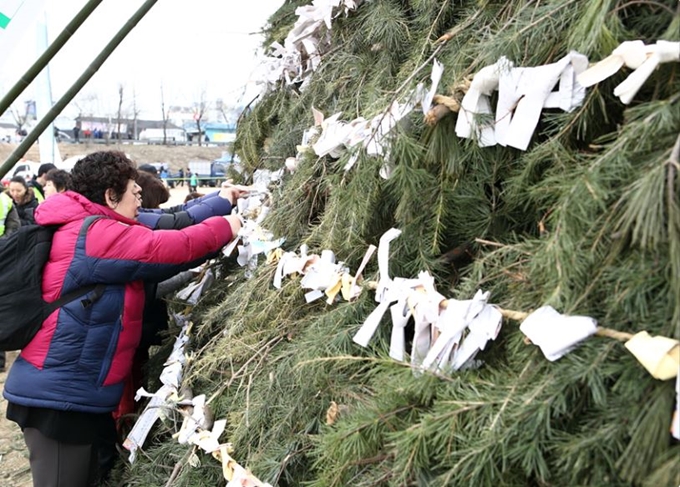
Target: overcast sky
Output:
{"points": [[188, 46]]}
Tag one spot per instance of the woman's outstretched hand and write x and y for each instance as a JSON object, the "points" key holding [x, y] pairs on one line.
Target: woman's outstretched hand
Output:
{"points": [[233, 192]]}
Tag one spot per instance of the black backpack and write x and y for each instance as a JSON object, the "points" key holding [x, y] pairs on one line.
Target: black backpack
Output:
{"points": [[23, 255]]}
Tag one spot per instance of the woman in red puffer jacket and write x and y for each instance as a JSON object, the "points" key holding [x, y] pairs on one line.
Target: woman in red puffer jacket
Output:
{"points": [[66, 382]]}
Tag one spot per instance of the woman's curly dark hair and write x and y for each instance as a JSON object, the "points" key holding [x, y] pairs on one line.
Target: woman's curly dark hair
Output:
{"points": [[99, 171]]}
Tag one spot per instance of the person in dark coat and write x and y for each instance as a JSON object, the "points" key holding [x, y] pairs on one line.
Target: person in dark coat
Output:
{"points": [[24, 200], [9, 223], [37, 183]]}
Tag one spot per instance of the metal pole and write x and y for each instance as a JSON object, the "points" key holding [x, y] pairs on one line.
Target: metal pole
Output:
{"points": [[77, 86], [47, 56]]}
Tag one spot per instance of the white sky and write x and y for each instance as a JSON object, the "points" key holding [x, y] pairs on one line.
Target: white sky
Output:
{"points": [[188, 46]]}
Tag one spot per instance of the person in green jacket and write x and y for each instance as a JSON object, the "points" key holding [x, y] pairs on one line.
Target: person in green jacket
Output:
{"points": [[193, 182], [9, 218]]}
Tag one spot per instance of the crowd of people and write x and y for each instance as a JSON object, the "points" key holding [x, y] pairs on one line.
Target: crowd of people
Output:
{"points": [[79, 373]]}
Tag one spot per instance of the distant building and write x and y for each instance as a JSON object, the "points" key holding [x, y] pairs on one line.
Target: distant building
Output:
{"points": [[220, 132], [129, 128], [211, 132]]}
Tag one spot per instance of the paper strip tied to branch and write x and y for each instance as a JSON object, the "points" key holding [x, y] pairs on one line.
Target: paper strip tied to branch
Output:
{"points": [[382, 294], [337, 136], [643, 59], [522, 95], [254, 240], [424, 304], [198, 429], [235, 474], [418, 299], [556, 334], [301, 51], [171, 377], [659, 355], [454, 349], [322, 275], [197, 417], [193, 292], [476, 105], [435, 77]]}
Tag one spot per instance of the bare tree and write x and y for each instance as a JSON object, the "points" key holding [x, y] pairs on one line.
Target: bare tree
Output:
{"points": [[135, 114], [219, 106], [20, 116], [200, 110], [120, 109], [166, 116], [87, 105], [226, 111]]}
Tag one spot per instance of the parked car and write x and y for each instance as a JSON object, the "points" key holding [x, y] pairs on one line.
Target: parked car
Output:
{"points": [[25, 169]]}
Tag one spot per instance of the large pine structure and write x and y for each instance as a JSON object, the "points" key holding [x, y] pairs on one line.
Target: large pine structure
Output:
{"points": [[586, 220]]}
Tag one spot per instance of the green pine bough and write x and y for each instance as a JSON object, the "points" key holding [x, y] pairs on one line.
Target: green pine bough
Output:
{"points": [[589, 222]]}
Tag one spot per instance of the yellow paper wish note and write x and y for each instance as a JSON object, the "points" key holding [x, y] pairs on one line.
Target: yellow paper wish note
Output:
{"points": [[659, 355]]}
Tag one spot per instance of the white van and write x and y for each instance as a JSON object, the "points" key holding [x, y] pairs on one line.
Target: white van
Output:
{"points": [[25, 169], [156, 135]]}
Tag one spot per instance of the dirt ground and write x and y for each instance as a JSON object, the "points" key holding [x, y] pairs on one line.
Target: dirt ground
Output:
{"points": [[175, 156], [14, 468]]}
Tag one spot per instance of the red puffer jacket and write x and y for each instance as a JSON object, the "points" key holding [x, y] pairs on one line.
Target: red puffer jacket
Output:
{"points": [[80, 357]]}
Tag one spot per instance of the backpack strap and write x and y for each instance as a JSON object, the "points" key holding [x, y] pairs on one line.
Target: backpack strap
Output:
{"points": [[97, 290]]}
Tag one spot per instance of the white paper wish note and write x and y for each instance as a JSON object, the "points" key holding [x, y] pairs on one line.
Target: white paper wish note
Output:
{"points": [[524, 92], [400, 314], [556, 334], [144, 423], [484, 327], [477, 101], [384, 260], [436, 76]]}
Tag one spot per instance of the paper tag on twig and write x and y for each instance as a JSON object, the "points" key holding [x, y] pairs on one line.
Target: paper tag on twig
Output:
{"points": [[556, 334], [659, 355]]}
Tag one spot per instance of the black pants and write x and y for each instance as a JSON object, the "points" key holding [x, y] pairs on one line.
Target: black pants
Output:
{"points": [[57, 464], [2, 360]]}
